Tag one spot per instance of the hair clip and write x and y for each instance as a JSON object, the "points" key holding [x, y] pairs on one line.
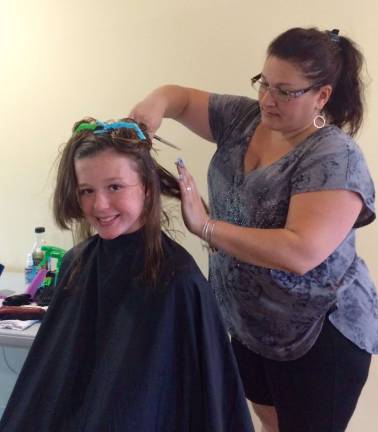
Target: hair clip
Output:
{"points": [[85, 126], [109, 127], [334, 35], [101, 127]]}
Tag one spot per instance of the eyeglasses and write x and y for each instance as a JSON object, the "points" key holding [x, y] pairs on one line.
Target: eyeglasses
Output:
{"points": [[278, 93]]}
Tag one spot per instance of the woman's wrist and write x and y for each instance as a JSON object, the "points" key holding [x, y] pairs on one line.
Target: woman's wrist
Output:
{"points": [[207, 232]]}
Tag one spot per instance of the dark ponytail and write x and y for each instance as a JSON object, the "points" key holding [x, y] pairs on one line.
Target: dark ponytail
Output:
{"points": [[346, 105]]}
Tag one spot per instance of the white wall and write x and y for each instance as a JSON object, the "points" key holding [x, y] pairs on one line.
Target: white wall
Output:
{"points": [[60, 61]]}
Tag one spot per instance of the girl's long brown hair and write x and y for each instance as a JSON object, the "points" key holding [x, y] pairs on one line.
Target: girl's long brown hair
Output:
{"points": [[156, 179]]}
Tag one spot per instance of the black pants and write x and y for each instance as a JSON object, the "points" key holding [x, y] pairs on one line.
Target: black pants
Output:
{"points": [[315, 393]]}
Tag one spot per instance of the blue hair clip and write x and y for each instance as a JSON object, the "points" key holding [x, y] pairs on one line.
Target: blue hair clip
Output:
{"points": [[109, 127]]}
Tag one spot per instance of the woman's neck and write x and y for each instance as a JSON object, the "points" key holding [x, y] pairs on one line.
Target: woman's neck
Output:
{"points": [[293, 138]]}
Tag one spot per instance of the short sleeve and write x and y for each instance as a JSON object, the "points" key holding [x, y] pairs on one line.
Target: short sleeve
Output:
{"points": [[336, 162], [230, 115]]}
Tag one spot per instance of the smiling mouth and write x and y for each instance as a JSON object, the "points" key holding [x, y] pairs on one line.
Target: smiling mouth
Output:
{"points": [[105, 221]]}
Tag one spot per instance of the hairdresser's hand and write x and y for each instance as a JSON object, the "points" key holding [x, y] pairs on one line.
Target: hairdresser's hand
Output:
{"points": [[192, 207], [149, 111]]}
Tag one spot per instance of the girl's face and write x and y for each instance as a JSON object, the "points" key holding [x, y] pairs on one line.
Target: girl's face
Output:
{"points": [[111, 194], [296, 114]]}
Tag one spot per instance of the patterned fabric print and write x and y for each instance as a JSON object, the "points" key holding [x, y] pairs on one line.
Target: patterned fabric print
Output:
{"points": [[276, 313]]}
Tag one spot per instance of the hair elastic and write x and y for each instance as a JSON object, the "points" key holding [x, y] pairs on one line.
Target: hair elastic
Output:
{"points": [[334, 35]]}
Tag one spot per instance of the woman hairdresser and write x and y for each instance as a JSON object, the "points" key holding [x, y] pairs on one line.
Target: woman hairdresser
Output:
{"points": [[288, 187]]}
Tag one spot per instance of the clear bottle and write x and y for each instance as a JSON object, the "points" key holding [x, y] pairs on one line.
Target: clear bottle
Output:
{"points": [[37, 252], [29, 270]]}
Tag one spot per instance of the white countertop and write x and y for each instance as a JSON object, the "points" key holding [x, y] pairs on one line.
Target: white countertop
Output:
{"points": [[14, 281]]}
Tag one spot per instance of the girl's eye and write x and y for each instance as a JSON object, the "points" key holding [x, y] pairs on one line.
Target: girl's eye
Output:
{"points": [[85, 191], [115, 187]]}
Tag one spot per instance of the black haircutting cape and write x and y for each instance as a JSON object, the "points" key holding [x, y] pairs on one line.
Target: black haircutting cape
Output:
{"points": [[114, 354]]}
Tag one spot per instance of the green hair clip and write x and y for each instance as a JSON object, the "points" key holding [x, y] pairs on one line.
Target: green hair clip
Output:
{"points": [[86, 126]]}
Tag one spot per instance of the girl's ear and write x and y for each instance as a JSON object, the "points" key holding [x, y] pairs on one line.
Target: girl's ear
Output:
{"points": [[147, 191], [147, 198]]}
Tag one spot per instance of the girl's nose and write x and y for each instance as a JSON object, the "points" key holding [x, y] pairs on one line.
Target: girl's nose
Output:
{"points": [[101, 201]]}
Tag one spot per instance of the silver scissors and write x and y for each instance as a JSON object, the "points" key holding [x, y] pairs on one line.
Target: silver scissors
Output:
{"points": [[164, 141]]}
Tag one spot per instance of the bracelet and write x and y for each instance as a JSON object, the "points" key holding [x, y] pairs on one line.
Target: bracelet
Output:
{"points": [[208, 230], [205, 229], [211, 232]]}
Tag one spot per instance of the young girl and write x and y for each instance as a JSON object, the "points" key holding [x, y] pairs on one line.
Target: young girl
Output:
{"points": [[132, 340]]}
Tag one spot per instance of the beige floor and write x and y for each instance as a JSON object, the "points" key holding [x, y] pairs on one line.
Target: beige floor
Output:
{"points": [[365, 418]]}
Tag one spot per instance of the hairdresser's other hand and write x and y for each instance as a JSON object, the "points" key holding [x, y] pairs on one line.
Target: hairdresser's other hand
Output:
{"points": [[149, 111], [192, 207]]}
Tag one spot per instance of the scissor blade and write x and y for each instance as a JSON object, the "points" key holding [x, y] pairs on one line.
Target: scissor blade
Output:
{"points": [[164, 141]]}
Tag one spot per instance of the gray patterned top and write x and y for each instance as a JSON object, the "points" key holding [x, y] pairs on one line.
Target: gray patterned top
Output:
{"points": [[277, 313]]}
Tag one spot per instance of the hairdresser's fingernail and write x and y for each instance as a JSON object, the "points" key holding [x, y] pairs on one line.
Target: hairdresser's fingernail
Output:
{"points": [[180, 162]]}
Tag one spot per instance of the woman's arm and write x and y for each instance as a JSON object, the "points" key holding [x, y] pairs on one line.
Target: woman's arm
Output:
{"points": [[316, 224], [186, 105]]}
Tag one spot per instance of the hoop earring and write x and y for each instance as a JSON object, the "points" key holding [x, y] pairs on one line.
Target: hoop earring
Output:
{"points": [[319, 121]]}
